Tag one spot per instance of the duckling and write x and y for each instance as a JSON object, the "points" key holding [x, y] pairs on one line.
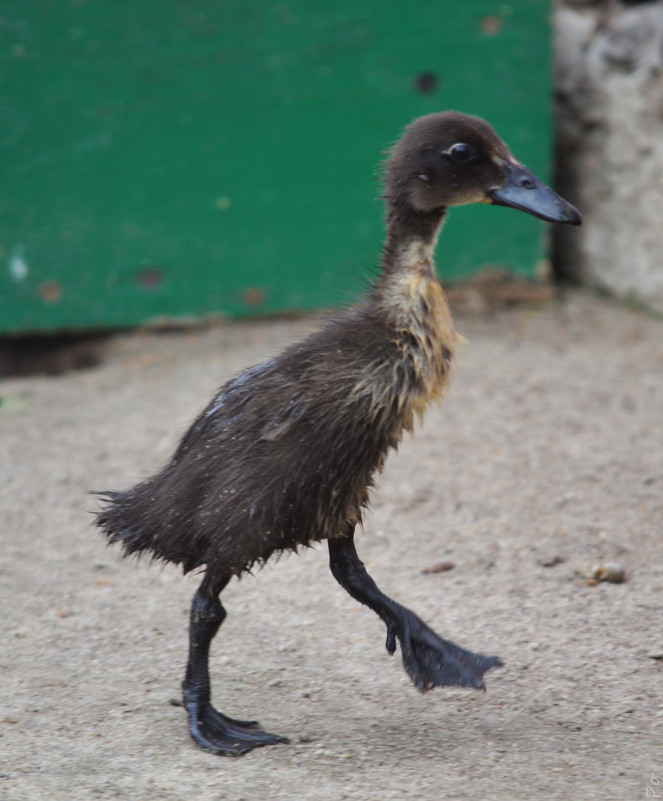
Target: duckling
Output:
{"points": [[287, 451]]}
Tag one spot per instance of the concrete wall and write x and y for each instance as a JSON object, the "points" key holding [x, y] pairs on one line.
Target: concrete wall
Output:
{"points": [[609, 81]]}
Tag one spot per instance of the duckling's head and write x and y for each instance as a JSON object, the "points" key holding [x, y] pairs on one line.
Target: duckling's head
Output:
{"points": [[450, 159]]}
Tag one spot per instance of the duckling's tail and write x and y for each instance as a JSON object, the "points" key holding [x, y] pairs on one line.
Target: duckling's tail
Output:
{"points": [[129, 517]]}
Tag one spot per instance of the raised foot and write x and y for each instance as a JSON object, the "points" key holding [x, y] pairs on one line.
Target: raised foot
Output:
{"points": [[213, 731], [431, 661]]}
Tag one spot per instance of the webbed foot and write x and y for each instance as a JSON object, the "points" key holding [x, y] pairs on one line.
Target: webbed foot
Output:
{"points": [[431, 661], [213, 731]]}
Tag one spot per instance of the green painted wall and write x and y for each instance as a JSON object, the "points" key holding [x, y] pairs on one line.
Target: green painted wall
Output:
{"points": [[172, 158]]}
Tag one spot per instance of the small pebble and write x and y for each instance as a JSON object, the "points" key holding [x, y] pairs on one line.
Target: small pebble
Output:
{"points": [[439, 567], [611, 572], [550, 560]]}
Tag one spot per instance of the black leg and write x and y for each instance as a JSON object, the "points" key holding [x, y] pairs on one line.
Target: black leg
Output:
{"points": [[210, 729], [429, 660]]}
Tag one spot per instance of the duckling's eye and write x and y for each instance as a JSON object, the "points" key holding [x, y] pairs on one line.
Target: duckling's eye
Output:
{"points": [[461, 152]]}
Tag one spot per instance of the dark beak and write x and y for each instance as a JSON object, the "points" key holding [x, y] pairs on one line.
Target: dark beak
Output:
{"points": [[523, 190]]}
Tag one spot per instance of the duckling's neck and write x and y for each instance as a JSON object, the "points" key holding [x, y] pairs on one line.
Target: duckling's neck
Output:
{"points": [[411, 237], [407, 291], [408, 297]]}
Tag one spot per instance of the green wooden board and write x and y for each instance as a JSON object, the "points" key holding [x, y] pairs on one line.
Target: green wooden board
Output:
{"points": [[180, 159]]}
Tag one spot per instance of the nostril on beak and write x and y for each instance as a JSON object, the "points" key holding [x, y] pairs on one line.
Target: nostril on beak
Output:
{"points": [[527, 183]]}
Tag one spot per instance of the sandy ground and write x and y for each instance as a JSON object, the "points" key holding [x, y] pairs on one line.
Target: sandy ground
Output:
{"points": [[545, 459]]}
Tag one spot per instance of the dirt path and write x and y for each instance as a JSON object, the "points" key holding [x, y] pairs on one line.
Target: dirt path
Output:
{"points": [[545, 459]]}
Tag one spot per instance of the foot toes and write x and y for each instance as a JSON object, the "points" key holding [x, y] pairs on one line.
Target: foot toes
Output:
{"points": [[224, 721], [227, 743], [390, 644], [213, 731], [433, 662]]}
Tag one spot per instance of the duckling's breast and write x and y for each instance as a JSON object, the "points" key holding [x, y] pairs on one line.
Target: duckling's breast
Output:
{"points": [[413, 302]]}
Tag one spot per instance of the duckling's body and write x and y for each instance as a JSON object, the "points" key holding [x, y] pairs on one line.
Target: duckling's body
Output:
{"points": [[286, 453]]}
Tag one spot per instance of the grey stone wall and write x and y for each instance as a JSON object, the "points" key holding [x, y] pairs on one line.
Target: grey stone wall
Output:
{"points": [[609, 88]]}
